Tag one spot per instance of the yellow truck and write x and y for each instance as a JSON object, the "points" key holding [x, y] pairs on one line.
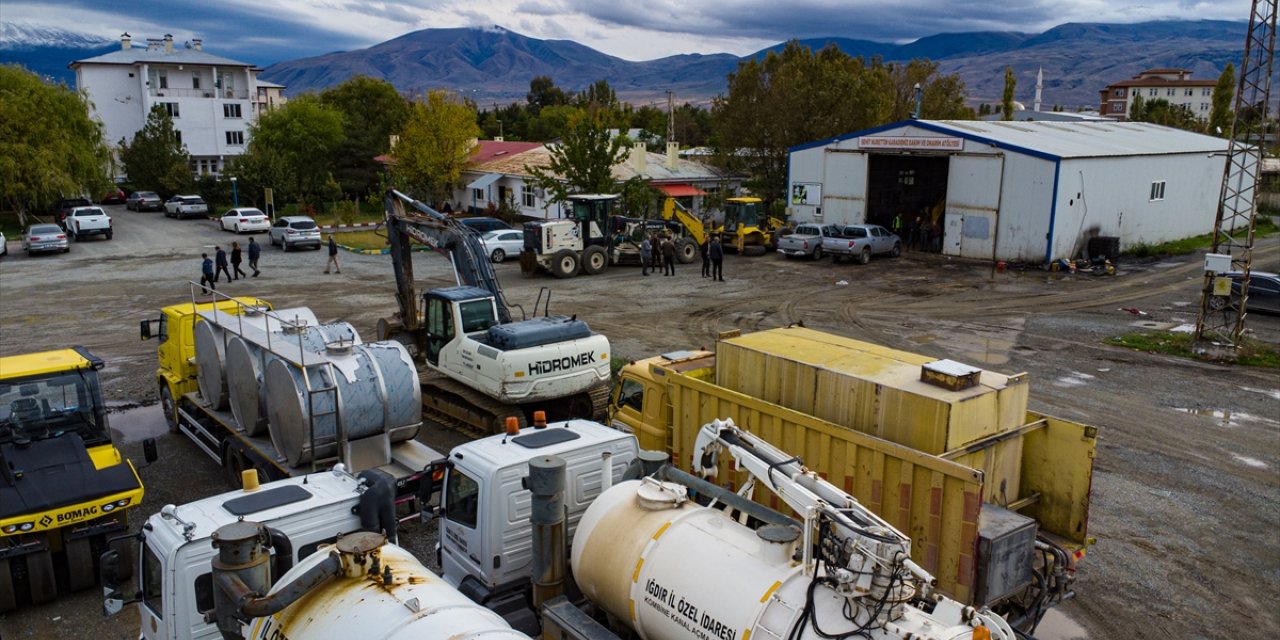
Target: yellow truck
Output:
{"points": [[994, 497], [65, 490]]}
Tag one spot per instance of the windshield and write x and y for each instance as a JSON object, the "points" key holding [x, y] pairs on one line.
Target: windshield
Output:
{"points": [[477, 315], [47, 406], [303, 224]]}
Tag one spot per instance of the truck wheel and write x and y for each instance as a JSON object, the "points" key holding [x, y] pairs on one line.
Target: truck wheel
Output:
{"points": [[169, 407], [897, 249], [686, 251], [79, 564], [817, 253], [498, 255], [564, 264], [109, 234], [43, 586], [8, 596], [594, 260], [865, 256], [580, 407]]}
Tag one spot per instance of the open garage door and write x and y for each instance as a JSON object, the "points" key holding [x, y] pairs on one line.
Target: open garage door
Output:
{"points": [[904, 184], [973, 206], [844, 188]]}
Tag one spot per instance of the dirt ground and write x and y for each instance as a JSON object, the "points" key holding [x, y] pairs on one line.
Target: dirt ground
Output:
{"points": [[1186, 496]]}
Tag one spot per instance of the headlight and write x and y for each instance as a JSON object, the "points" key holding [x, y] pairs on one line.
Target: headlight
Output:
{"points": [[10, 528], [26, 526], [123, 502], [109, 506]]}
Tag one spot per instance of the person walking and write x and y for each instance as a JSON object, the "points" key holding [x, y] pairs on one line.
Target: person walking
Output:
{"points": [[220, 261], [668, 256], [236, 257], [716, 253], [646, 254], [255, 251], [207, 277], [333, 256], [705, 249]]}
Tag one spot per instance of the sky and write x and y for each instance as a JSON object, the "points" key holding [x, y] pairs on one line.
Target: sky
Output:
{"points": [[266, 31]]}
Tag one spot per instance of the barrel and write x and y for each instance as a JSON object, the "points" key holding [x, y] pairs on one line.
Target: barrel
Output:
{"points": [[375, 391], [246, 361]]}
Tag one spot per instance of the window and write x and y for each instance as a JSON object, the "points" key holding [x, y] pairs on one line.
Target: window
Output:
{"points": [[477, 315], [231, 110], [1171, 92], [152, 582], [1189, 92], [195, 79], [235, 138], [1204, 106], [164, 79], [1206, 92], [172, 109], [1117, 108], [631, 394], [907, 176], [1157, 190], [462, 499], [204, 592], [1119, 93], [527, 196], [162, 333], [178, 134], [1152, 92], [477, 195]]}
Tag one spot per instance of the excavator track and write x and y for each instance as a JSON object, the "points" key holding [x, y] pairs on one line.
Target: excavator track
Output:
{"points": [[461, 408]]}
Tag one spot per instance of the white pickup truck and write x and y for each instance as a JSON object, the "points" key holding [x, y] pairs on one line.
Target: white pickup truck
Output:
{"points": [[807, 240], [87, 221]]}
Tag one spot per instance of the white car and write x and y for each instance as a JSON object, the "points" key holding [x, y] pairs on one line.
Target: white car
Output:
{"points": [[244, 219], [501, 243], [4, 245], [186, 207]]}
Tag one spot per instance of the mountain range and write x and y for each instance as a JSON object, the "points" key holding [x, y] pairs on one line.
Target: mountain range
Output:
{"points": [[494, 65]]}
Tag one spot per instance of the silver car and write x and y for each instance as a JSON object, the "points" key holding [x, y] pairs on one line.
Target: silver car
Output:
{"points": [[45, 238], [292, 232], [871, 240], [501, 243]]}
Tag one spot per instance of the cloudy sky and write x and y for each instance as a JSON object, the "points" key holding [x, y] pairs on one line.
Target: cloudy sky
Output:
{"points": [[265, 31]]}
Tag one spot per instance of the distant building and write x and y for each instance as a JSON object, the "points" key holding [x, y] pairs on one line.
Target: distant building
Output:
{"points": [[1172, 85], [1026, 115], [213, 100]]}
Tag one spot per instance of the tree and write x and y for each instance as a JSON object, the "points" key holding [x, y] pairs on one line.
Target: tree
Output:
{"points": [[49, 144], [436, 143], [583, 160], [304, 135], [543, 93], [156, 160], [638, 197], [372, 111], [1006, 102], [1220, 117], [1163, 112], [1137, 108]]}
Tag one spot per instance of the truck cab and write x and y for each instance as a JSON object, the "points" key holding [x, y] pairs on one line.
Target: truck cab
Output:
{"points": [[486, 541], [640, 405]]}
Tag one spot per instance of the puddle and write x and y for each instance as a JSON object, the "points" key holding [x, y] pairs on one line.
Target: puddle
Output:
{"points": [[1057, 626], [1274, 393], [1154, 326], [1184, 328], [1076, 379], [136, 424], [1252, 462], [1225, 418]]}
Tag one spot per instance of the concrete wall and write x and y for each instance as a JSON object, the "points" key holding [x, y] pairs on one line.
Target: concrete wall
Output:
{"points": [[119, 100], [1026, 202]]}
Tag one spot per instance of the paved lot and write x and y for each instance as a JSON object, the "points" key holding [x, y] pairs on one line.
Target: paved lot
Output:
{"points": [[1186, 500]]}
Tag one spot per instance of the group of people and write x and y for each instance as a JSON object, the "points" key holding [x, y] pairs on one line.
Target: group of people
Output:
{"points": [[212, 268], [922, 234], [659, 252]]}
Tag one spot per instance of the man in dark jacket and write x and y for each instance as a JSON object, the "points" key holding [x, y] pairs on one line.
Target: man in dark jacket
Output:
{"points": [[236, 258], [207, 278], [716, 253], [333, 256], [705, 250], [668, 257], [220, 261], [255, 250]]}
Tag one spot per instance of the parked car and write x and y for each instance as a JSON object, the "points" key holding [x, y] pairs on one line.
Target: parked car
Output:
{"points": [[88, 221], [502, 243], [864, 241], [482, 224], [186, 207], [807, 240], [4, 245], [64, 207], [144, 201], [114, 196], [292, 232], [1264, 292], [44, 238], [244, 219]]}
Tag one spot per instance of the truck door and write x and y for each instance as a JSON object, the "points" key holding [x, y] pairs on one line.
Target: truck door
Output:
{"points": [[439, 327], [460, 541], [151, 609]]}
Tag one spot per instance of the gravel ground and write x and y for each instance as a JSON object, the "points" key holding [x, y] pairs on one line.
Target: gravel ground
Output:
{"points": [[1186, 498]]}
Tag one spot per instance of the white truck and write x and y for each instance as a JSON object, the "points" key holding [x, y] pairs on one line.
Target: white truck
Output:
{"points": [[808, 240], [83, 222]]}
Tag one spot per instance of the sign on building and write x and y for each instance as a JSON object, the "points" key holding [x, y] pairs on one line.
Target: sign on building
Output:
{"points": [[911, 142], [806, 193]]}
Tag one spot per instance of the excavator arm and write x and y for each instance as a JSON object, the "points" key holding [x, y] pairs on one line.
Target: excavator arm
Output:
{"points": [[672, 209]]}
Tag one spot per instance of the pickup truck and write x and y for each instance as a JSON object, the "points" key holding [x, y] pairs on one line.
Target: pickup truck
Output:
{"points": [[809, 240], [861, 241], [64, 206], [87, 221], [186, 207]]}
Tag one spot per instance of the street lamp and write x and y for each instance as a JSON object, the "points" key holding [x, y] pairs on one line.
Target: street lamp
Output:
{"points": [[235, 197]]}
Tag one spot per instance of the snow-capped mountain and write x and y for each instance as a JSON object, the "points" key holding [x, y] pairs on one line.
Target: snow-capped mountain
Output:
{"points": [[18, 35]]}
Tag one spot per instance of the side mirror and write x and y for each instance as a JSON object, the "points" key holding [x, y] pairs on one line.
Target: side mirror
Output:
{"points": [[149, 450], [109, 572], [145, 329], [428, 486]]}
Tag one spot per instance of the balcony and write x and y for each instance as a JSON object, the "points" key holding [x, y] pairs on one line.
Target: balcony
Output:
{"points": [[200, 93]]}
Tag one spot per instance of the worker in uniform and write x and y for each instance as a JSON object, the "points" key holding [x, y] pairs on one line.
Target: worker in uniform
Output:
{"points": [[897, 224]]}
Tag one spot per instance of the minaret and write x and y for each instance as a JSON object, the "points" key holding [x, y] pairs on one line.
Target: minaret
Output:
{"points": [[1039, 86]]}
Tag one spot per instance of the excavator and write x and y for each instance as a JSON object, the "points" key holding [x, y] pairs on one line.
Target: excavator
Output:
{"points": [[477, 365]]}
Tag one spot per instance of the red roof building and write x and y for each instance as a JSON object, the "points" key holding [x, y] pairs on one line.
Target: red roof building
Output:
{"points": [[1172, 85]]}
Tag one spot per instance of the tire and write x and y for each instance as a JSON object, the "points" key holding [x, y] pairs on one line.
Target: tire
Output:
{"points": [[233, 463], [594, 261], [110, 234], [80, 574], [40, 578], [580, 407], [686, 251], [817, 253], [71, 236], [565, 263], [237, 230], [8, 596], [897, 250], [169, 408], [865, 256], [498, 255]]}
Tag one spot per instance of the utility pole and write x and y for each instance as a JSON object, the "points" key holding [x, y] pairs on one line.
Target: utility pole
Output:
{"points": [[1222, 307]]}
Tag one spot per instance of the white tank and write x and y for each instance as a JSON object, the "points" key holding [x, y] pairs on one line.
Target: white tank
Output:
{"points": [[674, 570], [246, 358], [211, 342], [418, 605]]}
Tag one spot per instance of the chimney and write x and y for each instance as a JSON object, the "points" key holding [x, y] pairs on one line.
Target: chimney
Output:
{"points": [[640, 158], [673, 154], [198, 44], [126, 42], [168, 44]]}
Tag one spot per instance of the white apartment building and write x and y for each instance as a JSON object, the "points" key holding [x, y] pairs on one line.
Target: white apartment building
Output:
{"points": [[213, 100], [1172, 85]]}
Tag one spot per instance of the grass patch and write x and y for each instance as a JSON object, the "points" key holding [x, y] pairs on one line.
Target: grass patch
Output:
{"points": [[1263, 227], [1252, 354], [369, 239]]}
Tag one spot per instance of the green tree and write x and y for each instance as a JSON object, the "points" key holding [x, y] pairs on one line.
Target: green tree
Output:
{"points": [[49, 144], [583, 160], [1163, 112], [551, 122], [942, 97], [156, 160], [436, 143], [543, 93], [1137, 108], [372, 111], [259, 168], [304, 135], [1223, 93], [638, 197], [1006, 102]]}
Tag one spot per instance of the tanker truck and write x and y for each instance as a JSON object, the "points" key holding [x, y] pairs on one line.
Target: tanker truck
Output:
{"points": [[282, 393]]}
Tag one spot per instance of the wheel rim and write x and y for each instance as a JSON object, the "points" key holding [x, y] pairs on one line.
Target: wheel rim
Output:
{"points": [[866, 256], [167, 405], [597, 260], [499, 255]]}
